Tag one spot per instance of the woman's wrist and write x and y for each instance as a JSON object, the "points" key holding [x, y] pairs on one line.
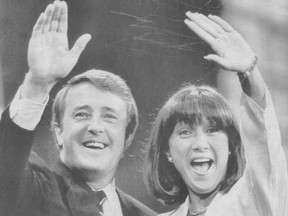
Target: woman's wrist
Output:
{"points": [[246, 73]]}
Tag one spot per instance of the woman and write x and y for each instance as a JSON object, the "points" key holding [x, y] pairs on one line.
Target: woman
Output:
{"points": [[196, 156]]}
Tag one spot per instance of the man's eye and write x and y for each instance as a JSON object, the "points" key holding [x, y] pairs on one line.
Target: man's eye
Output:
{"points": [[110, 116], [81, 115]]}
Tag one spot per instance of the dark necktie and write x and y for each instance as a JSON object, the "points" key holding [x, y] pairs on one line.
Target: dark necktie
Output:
{"points": [[101, 197]]}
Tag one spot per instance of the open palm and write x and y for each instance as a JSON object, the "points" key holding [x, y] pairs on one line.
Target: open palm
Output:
{"points": [[231, 50], [49, 57]]}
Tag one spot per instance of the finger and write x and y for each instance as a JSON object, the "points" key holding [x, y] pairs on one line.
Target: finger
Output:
{"points": [[38, 27], [200, 32], [79, 46], [49, 12], [55, 16], [225, 25], [63, 18], [215, 25], [204, 23], [222, 62]]}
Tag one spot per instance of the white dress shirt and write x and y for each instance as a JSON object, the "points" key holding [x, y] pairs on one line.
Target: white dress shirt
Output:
{"points": [[26, 113], [111, 204]]}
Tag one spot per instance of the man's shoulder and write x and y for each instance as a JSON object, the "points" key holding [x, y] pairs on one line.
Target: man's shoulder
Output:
{"points": [[133, 206]]}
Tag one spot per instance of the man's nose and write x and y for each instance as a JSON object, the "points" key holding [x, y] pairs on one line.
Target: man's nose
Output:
{"points": [[200, 142], [96, 126]]}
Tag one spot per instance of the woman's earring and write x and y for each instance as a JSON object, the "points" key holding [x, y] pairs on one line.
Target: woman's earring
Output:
{"points": [[229, 153], [170, 159], [60, 144]]}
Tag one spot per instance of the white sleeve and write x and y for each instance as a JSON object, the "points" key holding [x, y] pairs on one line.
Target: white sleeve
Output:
{"points": [[266, 167], [26, 113]]}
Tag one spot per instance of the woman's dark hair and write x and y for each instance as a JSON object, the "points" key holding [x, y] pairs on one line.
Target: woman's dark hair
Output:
{"points": [[190, 104]]}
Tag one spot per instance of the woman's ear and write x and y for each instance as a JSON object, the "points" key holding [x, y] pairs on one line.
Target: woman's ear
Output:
{"points": [[169, 157]]}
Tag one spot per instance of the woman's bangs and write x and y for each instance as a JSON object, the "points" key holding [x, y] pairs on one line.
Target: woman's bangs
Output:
{"points": [[194, 109], [188, 112], [216, 111]]}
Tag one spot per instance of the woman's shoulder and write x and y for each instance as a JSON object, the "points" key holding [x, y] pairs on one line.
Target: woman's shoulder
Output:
{"points": [[181, 210], [170, 213], [166, 214]]}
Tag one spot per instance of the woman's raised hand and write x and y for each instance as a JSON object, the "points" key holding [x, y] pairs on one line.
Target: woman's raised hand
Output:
{"points": [[231, 50]]}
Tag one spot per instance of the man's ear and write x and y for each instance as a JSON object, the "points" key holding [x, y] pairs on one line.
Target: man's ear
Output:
{"points": [[58, 135], [128, 141], [169, 157]]}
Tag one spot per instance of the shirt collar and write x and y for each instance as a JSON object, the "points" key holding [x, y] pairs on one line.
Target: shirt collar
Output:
{"points": [[110, 190]]}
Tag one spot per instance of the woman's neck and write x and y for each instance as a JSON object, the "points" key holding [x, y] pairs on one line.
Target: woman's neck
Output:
{"points": [[198, 202]]}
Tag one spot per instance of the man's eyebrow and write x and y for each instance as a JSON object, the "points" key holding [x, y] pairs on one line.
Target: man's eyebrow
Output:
{"points": [[81, 107], [104, 108], [110, 109]]}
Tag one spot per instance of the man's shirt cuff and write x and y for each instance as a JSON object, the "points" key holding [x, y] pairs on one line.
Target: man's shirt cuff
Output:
{"points": [[26, 113]]}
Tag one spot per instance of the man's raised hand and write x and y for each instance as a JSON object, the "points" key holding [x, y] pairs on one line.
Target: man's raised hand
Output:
{"points": [[49, 57]]}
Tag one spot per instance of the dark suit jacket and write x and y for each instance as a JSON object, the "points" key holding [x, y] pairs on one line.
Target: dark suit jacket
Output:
{"points": [[31, 188]]}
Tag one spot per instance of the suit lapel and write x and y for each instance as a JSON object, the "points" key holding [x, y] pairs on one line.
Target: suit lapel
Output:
{"points": [[125, 204], [82, 200]]}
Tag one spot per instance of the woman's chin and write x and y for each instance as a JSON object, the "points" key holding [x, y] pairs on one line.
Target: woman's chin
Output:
{"points": [[205, 191]]}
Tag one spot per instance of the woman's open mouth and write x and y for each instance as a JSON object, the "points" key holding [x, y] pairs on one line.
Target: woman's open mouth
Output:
{"points": [[201, 164]]}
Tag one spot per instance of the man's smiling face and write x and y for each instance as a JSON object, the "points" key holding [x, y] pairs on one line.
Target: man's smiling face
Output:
{"points": [[93, 131]]}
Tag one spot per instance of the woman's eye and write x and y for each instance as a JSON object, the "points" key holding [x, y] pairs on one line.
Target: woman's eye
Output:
{"points": [[213, 130], [185, 132]]}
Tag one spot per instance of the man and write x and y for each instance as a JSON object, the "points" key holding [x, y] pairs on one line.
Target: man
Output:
{"points": [[94, 121]]}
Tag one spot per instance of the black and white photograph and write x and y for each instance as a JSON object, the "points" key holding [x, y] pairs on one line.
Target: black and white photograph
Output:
{"points": [[143, 108]]}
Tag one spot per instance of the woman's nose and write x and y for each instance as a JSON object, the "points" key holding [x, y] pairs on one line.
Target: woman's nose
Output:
{"points": [[200, 142]]}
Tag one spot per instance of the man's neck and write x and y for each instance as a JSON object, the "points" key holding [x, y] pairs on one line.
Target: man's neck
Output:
{"points": [[101, 186]]}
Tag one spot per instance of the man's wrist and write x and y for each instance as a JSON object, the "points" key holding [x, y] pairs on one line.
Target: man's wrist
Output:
{"points": [[26, 113], [35, 89]]}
